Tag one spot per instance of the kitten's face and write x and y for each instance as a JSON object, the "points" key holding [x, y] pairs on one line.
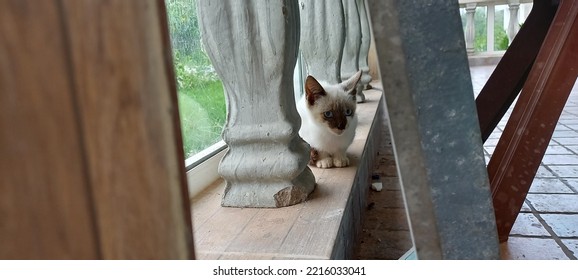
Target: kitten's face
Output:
{"points": [[332, 105], [334, 113]]}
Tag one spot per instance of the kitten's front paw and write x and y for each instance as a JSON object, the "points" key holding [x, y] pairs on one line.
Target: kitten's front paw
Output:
{"points": [[325, 163], [340, 161]]}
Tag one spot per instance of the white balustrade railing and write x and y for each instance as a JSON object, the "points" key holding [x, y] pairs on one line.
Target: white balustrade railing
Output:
{"points": [[516, 14]]}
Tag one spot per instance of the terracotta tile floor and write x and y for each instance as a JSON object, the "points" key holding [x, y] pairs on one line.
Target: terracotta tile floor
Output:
{"points": [[547, 226]]}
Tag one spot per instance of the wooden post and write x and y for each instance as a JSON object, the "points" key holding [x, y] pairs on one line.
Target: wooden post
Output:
{"points": [[507, 80], [529, 130], [91, 163]]}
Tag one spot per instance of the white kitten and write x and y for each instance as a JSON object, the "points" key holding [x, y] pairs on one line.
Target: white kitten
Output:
{"points": [[328, 120]]}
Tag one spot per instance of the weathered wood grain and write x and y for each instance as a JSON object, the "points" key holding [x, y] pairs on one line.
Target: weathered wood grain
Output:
{"points": [[323, 227], [43, 182], [92, 160]]}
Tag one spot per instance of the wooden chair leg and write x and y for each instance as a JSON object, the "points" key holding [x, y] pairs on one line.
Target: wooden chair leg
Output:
{"points": [[531, 125], [510, 74]]}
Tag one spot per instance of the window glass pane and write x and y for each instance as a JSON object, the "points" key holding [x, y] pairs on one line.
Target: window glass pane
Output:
{"points": [[200, 92]]}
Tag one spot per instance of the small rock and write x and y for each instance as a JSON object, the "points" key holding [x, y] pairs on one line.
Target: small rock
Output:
{"points": [[377, 186]]}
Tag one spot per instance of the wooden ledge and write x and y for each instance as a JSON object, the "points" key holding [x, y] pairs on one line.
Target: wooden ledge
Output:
{"points": [[326, 226]]}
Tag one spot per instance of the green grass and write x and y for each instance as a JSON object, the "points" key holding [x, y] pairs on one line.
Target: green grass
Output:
{"points": [[202, 111], [200, 92]]}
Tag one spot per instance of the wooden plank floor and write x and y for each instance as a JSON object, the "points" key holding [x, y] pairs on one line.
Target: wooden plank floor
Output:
{"points": [[305, 231]]}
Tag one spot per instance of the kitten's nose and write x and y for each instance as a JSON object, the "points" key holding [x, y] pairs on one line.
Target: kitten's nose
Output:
{"points": [[341, 126]]}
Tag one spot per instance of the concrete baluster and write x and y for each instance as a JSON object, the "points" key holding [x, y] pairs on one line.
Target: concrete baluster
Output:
{"points": [[470, 27], [513, 25], [253, 45], [322, 38], [365, 43], [352, 46]]}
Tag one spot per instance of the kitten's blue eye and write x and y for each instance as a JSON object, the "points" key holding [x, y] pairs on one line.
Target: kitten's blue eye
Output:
{"points": [[328, 114], [348, 112]]}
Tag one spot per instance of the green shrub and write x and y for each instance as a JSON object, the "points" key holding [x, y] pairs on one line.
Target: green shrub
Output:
{"points": [[501, 42]]}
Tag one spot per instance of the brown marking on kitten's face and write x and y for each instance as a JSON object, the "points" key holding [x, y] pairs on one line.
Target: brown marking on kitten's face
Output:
{"points": [[335, 114]]}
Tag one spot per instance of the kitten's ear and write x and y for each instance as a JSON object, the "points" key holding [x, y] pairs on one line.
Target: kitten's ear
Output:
{"points": [[351, 83], [313, 90]]}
